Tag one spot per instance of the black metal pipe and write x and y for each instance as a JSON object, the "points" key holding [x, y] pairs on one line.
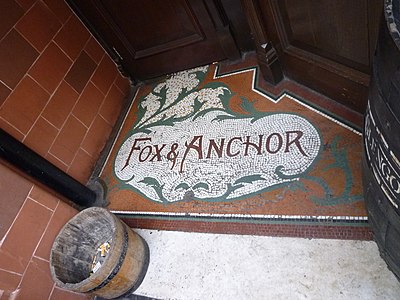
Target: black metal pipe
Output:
{"points": [[45, 172]]}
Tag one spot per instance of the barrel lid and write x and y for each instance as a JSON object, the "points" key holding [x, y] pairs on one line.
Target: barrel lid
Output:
{"points": [[392, 15]]}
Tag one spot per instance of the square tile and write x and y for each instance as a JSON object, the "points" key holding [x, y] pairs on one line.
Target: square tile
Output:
{"points": [[24, 105], [60, 9], [60, 105], [88, 104], [61, 216], [41, 137], [38, 26], [105, 74], [24, 236], [8, 20], [50, 68], [81, 71], [72, 37], [13, 189], [68, 141], [112, 105], [82, 166], [37, 282], [16, 57], [97, 137]]}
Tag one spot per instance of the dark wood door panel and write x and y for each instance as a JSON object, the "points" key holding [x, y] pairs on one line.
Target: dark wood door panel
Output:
{"points": [[152, 27], [324, 44], [338, 30], [155, 37]]}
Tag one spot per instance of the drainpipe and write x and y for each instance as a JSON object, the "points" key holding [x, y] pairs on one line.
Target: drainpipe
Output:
{"points": [[45, 172]]}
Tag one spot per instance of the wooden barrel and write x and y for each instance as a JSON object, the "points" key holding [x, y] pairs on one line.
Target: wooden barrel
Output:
{"points": [[381, 162], [75, 248]]}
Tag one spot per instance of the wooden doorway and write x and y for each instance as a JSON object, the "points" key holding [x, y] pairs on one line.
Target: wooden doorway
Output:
{"points": [[326, 45], [155, 37]]}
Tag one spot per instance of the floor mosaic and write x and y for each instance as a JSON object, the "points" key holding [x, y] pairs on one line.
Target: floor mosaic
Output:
{"points": [[210, 146]]}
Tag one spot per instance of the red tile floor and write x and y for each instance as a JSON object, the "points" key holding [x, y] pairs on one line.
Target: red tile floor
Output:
{"points": [[217, 149]]}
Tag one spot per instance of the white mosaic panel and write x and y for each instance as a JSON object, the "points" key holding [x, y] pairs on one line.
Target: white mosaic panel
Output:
{"points": [[288, 146]]}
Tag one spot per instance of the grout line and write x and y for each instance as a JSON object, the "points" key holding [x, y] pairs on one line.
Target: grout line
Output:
{"points": [[48, 121], [11, 272], [80, 121], [5, 84], [40, 258], [51, 292], [4, 120], [86, 152], [54, 156], [41, 204]]}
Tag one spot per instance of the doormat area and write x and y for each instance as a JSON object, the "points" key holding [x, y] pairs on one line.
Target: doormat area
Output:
{"points": [[212, 152]]}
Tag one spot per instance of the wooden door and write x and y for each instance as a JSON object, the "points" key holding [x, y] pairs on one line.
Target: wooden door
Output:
{"points": [[150, 38], [327, 45]]}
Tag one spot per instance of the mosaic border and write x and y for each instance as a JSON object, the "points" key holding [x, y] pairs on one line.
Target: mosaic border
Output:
{"points": [[248, 218], [273, 230]]}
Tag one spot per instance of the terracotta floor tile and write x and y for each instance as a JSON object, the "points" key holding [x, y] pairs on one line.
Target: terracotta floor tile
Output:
{"points": [[81, 71], [57, 162], [94, 50], [41, 137], [61, 216], [82, 166], [38, 26], [72, 37], [60, 104], [11, 130], [37, 282], [24, 236], [42, 196], [88, 104], [123, 84], [112, 105], [16, 57], [60, 9], [68, 141], [105, 74], [4, 92], [59, 294], [97, 137], [13, 190], [50, 68], [9, 281], [26, 4], [24, 105], [7, 20]]}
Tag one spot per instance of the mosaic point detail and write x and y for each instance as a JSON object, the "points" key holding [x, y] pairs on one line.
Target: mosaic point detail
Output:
{"points": [[199, 144]]}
